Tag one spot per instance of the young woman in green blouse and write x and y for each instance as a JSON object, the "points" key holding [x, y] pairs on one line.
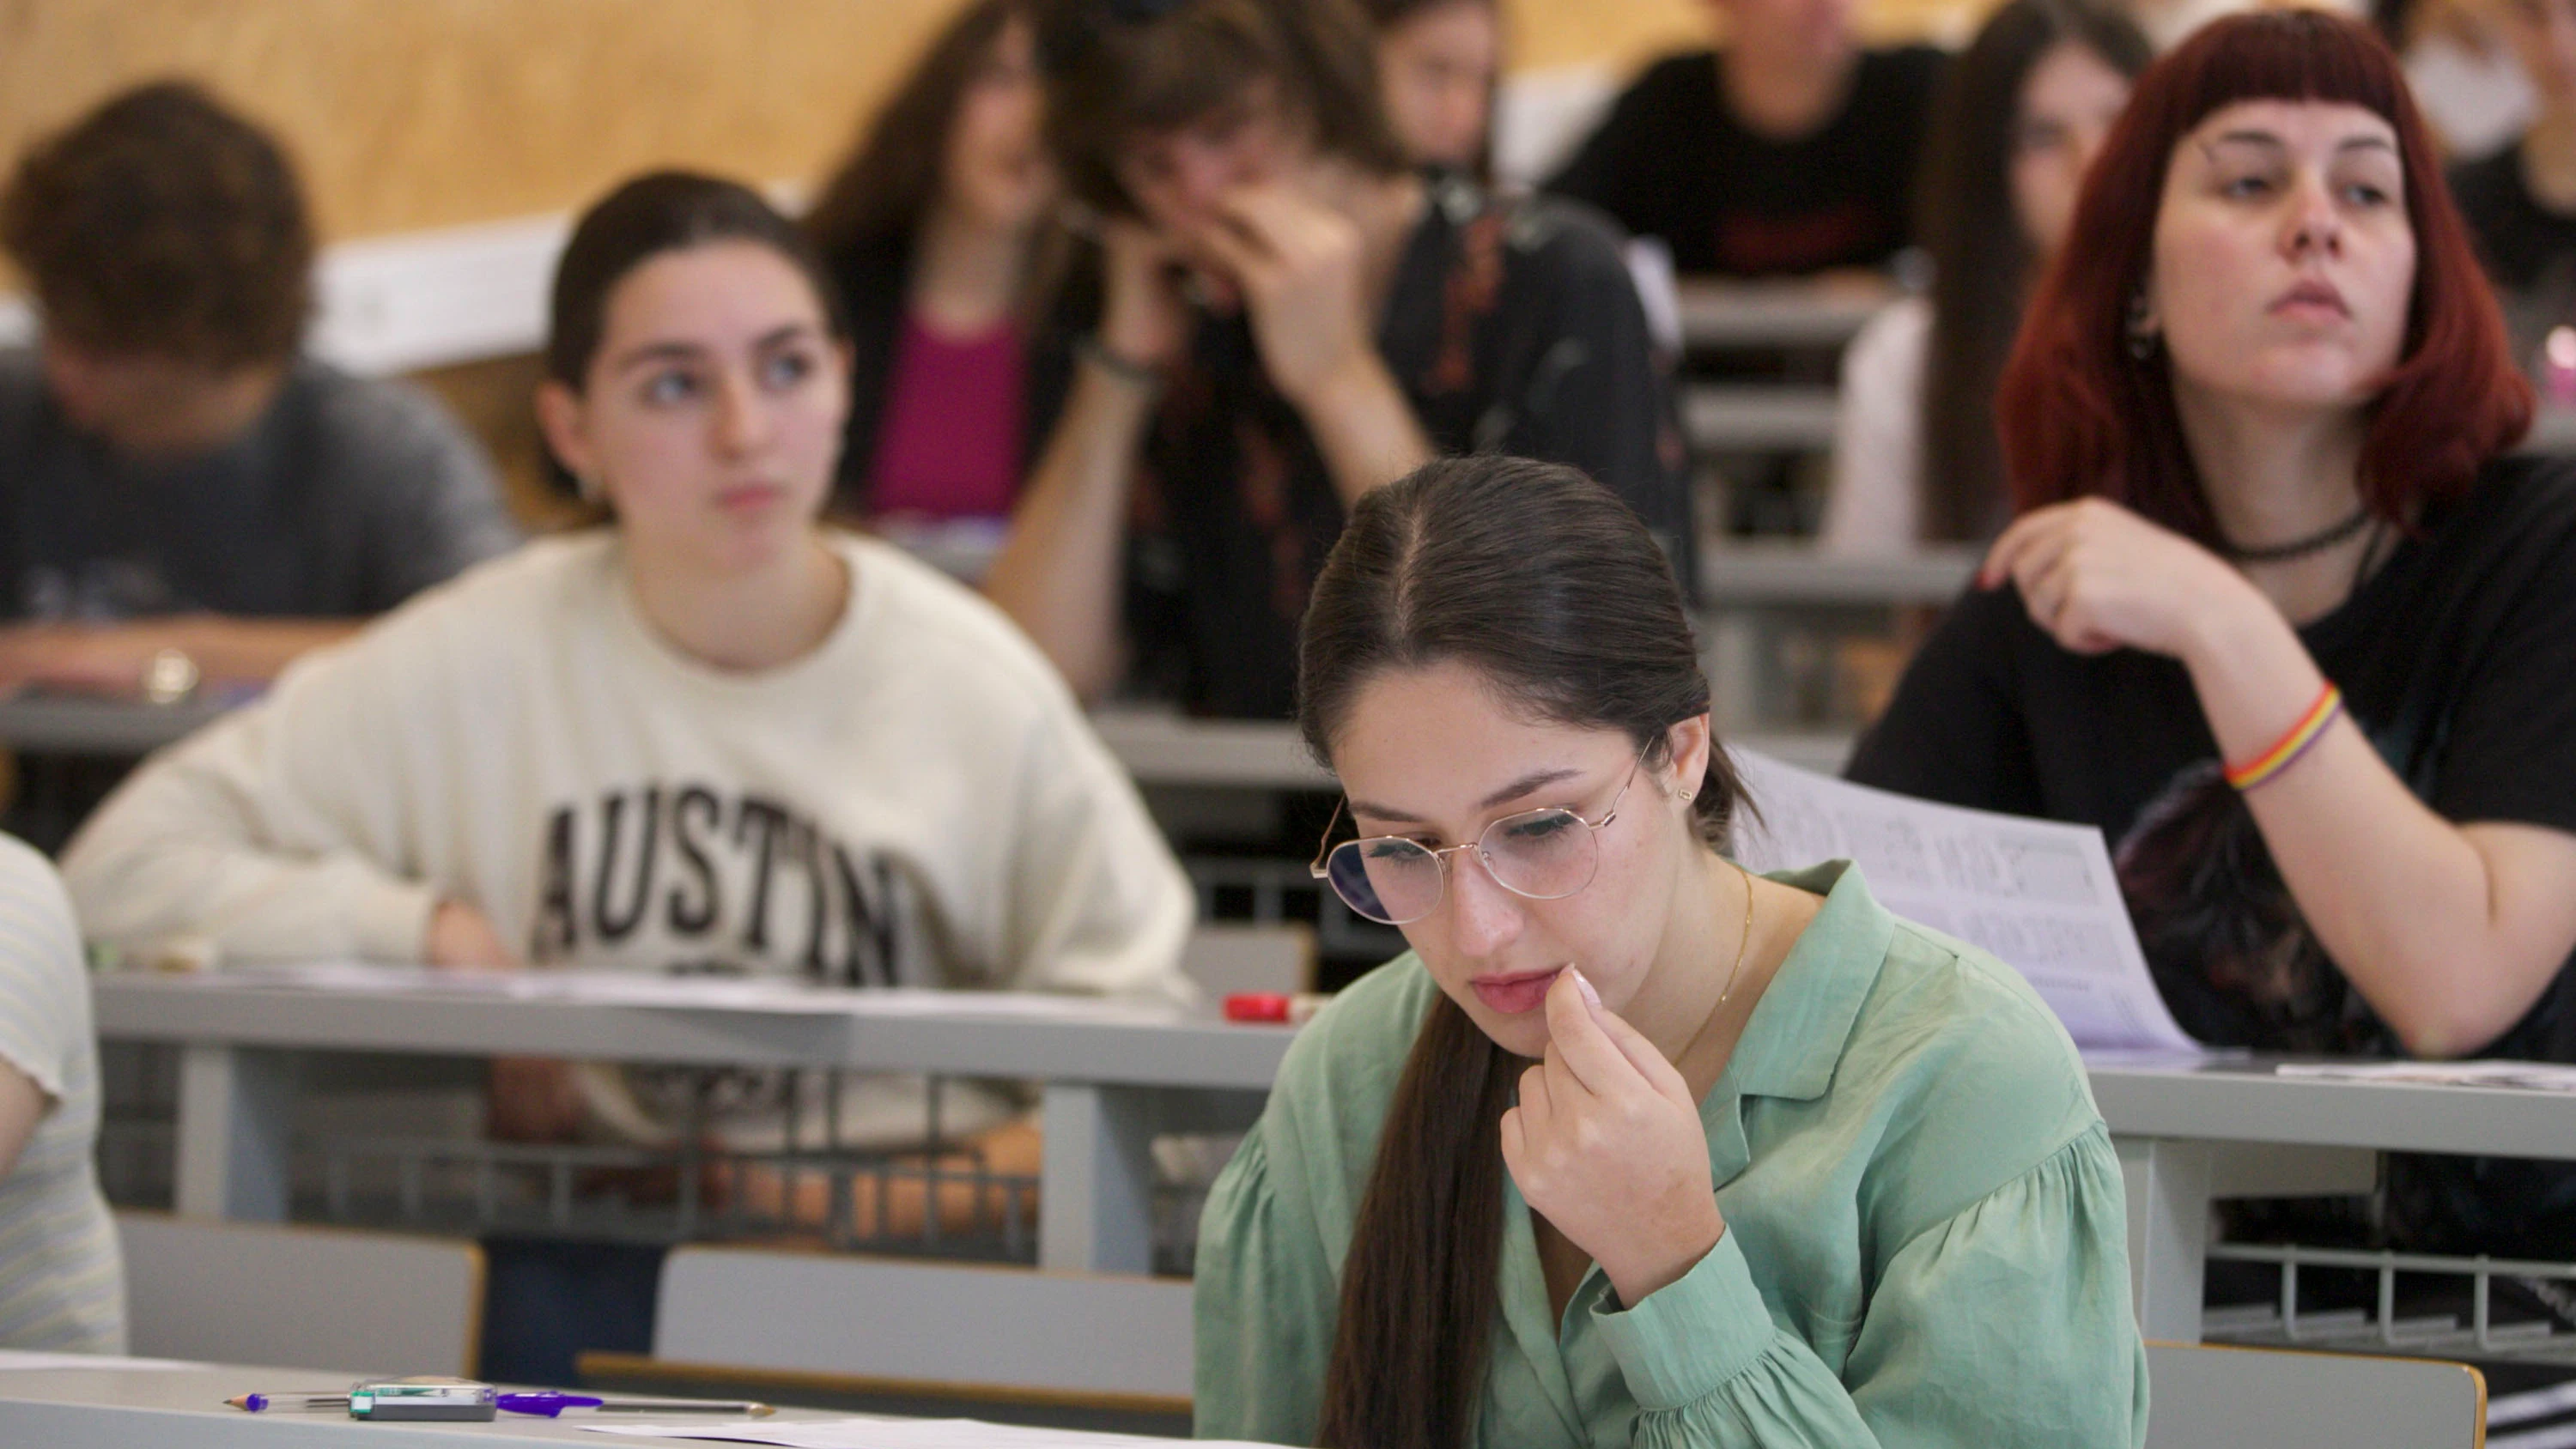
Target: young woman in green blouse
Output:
{"points": [[1632, 1147]]}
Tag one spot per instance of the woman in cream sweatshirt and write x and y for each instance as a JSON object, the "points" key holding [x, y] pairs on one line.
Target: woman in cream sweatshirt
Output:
{"points": [[712, 736]]}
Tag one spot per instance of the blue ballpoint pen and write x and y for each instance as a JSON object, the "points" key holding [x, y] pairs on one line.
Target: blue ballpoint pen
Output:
{"points": [[551, 1402], [547, 1402]]}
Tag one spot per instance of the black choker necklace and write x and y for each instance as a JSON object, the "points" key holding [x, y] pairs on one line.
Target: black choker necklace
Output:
{"points": [[2317, 542]]}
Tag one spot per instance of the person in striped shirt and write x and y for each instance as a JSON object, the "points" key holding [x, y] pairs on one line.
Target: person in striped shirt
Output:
{"points": [[62, 1285]]}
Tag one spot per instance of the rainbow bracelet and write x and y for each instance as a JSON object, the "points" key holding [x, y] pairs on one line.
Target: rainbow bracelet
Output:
{"points": [[2286, 751]]}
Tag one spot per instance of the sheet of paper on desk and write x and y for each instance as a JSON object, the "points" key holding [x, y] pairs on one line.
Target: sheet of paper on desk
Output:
{"points": [[894, 1434], [2530, 1076], [773, 995], [24, 1360], [2038, 893]]}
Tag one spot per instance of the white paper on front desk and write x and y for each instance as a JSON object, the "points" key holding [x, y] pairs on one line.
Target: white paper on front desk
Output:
{"points": [[2527, 1076], [894, 1434], [2038, 893], [770, 995], [25, 1360]]}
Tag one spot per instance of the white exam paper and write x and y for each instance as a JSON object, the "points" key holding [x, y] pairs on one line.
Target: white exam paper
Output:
{"points": [[857, 1433], [765, 995], [2040, 894], [13, 1359], [2530, 1076]]}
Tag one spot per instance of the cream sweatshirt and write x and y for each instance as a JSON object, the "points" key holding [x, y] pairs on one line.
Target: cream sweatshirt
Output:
{"points": [[917, 802]]}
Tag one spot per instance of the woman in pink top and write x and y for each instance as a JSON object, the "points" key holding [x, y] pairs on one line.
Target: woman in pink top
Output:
{"points": [[946, 255]]}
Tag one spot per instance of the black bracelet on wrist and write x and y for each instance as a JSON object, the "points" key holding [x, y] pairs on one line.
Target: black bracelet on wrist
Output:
{"points": [[1091, 349]]}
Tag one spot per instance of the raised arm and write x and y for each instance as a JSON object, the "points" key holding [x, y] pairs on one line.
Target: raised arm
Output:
{"points": [[1301, 267], [2449, 930], [1061, 572]]}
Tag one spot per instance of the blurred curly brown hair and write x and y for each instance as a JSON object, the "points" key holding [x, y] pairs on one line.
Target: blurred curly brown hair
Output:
{"points": [[162, 224]]}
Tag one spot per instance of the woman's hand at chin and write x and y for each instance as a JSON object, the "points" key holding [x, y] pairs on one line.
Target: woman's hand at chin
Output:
{"points": [[1606, 1144]]}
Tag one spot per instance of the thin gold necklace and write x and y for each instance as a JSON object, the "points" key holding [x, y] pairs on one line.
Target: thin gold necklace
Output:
{"points": [[1741, 941]]}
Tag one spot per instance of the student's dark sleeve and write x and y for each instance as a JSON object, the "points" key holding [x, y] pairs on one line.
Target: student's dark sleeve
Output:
{"points": [[1581, 382], [1616, 168], [437, 502], [2510, 754], [1956, 731]]}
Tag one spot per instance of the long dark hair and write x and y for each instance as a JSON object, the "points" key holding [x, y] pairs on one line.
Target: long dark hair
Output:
{"points": [[1982, 261], [1554, 592], [877, 199], [2083, 415], [658, 212]]}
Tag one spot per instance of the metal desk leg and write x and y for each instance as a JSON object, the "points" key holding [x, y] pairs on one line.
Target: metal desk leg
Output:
{"points": [[2169, 1193], [236, 1111], [1096, 1187]]}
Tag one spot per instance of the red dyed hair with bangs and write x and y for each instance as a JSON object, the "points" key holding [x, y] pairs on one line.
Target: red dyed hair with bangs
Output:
{"points": [[2081, 416]]}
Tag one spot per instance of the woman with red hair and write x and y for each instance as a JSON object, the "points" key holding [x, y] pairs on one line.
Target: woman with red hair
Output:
{"points": [[2278, 613]]}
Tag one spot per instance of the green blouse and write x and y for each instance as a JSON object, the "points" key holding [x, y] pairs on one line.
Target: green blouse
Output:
{"points": [[1925, 1241]]}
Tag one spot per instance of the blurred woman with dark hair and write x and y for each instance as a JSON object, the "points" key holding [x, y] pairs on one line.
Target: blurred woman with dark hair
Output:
{"points": [[2279, 614], [2021, 115], [1437, 63], [937, 230]]}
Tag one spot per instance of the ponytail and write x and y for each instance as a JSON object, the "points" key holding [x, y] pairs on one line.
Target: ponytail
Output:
{"points": [[1419, 1288]]}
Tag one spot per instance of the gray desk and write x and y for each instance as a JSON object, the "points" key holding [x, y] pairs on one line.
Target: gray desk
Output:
{"points": [[1109, 1086], [1765, 604], [1161, 747], [112, 1409], [1759, 417], [1775, 314], [55, 725], [1792, 575], [2187, 1134]]}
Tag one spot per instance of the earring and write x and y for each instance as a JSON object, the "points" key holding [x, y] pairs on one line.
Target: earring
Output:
{"points": [[2142, 335], [1689, 795]]}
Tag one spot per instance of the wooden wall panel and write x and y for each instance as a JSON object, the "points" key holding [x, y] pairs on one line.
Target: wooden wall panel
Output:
{"points": [[418, 113]]}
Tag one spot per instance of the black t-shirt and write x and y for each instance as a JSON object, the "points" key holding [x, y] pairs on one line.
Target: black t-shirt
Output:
{"points": [[343, 499], [2454, 659], [1512, 327], [2529, 250], [1672, 161], [2521, 240]]}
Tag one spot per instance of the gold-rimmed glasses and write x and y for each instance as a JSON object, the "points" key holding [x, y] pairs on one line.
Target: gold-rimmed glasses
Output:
{"points": [[1540, 854]]}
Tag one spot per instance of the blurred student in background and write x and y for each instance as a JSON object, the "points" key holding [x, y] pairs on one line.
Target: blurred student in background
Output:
{"points": [[2521, 201], [1293, 316], [2281, 614], [2020, 116], [62, 1288], [175, 475], [710, 737], [2466, 80], [1790, 150], [1438, 63], [938, 229]]}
